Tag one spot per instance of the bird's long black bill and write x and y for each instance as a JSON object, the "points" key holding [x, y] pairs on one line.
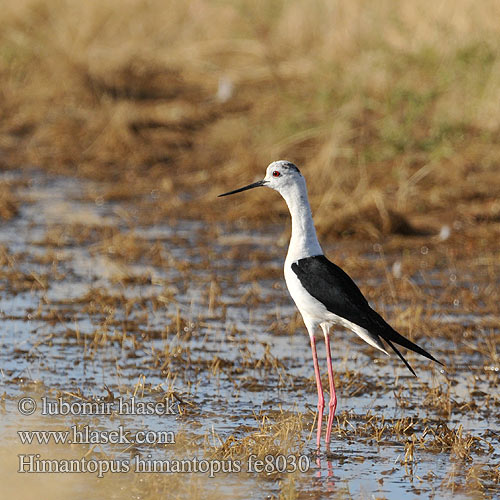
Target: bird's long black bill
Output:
{"points": [[250, 186]]}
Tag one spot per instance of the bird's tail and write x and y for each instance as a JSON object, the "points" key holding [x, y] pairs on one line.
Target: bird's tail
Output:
{"points": [[392, 337]]}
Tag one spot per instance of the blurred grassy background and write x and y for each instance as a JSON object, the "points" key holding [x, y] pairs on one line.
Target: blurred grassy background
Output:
{"points": [[391, 109]]}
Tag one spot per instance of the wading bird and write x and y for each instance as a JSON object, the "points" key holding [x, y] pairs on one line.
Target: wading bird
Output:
{"points": [[324, 294]]}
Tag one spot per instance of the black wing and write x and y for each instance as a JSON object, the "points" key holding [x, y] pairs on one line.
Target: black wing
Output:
{"points": [[329, 284]]}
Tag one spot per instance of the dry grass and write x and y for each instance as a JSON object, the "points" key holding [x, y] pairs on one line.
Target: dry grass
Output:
{"points": [[391, 110], [8, 201], [140, 339], [277, 434]]}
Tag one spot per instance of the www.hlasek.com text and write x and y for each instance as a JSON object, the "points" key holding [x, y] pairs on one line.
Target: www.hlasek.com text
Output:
{"points": [[86, 435]]}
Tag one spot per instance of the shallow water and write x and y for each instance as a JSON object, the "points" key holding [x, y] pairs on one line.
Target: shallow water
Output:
{"points": [[98, 303]]}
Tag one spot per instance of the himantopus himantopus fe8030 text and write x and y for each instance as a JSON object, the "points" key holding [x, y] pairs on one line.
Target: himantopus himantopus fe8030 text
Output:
{"points": [[324, 294]]}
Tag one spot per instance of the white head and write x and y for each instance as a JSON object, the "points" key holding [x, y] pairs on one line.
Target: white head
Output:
{"points": [[280, 175]]}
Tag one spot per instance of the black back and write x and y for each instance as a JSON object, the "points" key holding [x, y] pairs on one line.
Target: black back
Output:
{"points": [[329, 284]]}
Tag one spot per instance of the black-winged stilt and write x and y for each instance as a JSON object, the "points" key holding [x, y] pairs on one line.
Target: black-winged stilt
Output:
{"points": [[324, 294]]}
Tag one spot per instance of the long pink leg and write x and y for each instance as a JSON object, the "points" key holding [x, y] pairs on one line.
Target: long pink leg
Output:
{"points": [[321, 398], [332, 405]]}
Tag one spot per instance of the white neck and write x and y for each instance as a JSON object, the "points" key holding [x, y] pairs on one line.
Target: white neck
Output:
{"points": [[304, 242]]}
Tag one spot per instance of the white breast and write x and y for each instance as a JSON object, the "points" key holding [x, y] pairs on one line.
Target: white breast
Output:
{"points": [[312, 310]]}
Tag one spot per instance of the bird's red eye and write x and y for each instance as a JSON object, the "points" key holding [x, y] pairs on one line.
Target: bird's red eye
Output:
{"points": [[276, 173]]}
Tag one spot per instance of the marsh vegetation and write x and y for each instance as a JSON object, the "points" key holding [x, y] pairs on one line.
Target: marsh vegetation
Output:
{"points": [[122, 275]]}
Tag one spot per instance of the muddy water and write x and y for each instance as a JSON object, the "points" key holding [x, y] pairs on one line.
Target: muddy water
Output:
{"points": [[98, 302]]}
